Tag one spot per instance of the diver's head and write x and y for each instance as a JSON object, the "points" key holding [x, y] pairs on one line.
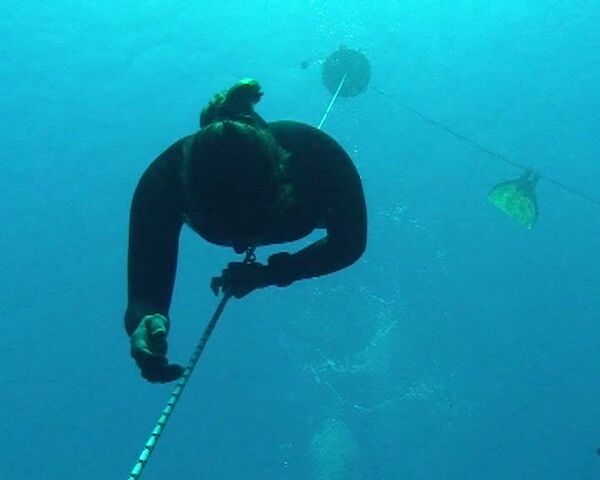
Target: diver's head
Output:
{"points": [[234, 169]]}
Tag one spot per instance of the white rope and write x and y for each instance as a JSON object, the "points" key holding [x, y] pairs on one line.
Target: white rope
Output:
{"points": [[177, 391], [332, 102]]}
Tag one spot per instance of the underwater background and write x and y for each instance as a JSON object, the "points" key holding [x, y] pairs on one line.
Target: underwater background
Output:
{"points": [[461, 346]]}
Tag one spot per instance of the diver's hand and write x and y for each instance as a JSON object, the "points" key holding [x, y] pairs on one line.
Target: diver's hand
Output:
{"points": [[149, 349], [239, 279]]}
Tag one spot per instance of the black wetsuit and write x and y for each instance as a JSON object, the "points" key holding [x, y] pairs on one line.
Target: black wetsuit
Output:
{"points": [[329, 194]]}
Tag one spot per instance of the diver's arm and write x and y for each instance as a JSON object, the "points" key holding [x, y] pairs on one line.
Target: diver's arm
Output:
{"points": [[345, 221], [155, 224]]}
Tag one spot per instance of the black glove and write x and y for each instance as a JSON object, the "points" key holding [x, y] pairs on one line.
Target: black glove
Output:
{"points": [[239, 279], [149, 349]]}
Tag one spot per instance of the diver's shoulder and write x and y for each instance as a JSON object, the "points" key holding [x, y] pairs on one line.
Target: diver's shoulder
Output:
{"points": [[167, 166], [171, 158], [291, 127], [297, 135], [175, 150]]}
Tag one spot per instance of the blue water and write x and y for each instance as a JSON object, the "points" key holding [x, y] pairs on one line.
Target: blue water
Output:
{"points": [[461, 346]]}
